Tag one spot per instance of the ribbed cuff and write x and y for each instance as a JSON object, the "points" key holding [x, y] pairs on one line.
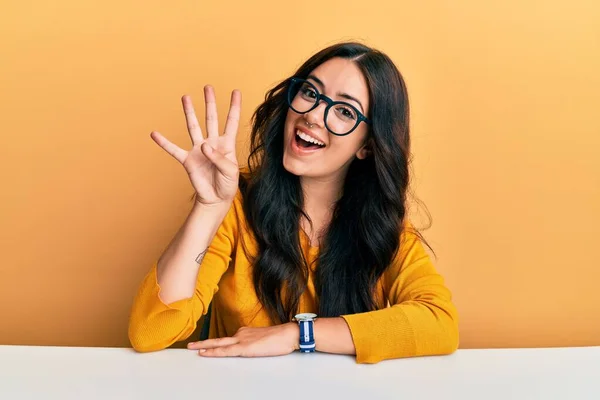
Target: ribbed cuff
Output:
{"points": [[159, 305], [380, 335]]}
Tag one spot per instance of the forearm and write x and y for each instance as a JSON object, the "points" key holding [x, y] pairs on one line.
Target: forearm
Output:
{"points": [[332, 335], [413, 328], [177, 268]]}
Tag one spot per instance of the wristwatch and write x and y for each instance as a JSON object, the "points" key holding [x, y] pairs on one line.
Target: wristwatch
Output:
{"points": [[307, 335]]}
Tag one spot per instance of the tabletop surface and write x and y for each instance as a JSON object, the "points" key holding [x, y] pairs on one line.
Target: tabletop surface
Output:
{"points": [[40, 372]]}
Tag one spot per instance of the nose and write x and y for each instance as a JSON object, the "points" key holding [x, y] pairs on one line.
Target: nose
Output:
{"points": [[316, 116]]}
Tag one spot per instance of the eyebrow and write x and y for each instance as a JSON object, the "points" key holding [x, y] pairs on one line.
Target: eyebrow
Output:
{"points": [[343, 95]]}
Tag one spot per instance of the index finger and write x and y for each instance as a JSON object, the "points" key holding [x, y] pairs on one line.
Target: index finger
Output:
{"points": [[212, 343], [191, 120], [228, 351], [233, 118]]}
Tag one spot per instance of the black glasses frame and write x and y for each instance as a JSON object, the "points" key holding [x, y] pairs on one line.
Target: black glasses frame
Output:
{"points": [[330, 103]]}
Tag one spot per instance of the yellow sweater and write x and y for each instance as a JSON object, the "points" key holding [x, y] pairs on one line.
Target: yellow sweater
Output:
{"points": [[419, 320]]}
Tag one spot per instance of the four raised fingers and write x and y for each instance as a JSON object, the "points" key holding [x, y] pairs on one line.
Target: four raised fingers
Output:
{"points": [[212, 122]]}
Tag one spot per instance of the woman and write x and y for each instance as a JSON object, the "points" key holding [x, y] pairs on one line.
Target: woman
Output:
{"points": [[315, 225]]}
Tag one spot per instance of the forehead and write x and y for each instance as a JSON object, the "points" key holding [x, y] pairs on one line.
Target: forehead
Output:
{"points": [[341, 75]]}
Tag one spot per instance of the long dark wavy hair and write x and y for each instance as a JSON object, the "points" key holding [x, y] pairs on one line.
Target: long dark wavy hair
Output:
{"points": [[364, 234]]}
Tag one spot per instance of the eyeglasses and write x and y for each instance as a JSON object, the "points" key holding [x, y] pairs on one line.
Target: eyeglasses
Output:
{"points": [[303, 96]]}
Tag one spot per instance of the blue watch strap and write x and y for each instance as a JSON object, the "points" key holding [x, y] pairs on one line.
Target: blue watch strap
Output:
{"points": [[307, 337]]}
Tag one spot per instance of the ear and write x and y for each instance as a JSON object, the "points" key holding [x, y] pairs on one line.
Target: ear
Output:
{"points": [[364, 151]]}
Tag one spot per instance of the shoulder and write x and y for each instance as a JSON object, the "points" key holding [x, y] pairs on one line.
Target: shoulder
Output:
{"points": [[411, 260], [412, 244], [410, 234]]}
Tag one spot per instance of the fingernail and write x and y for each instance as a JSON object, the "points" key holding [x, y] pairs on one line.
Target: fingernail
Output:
{"points": [[191, 344], [201, 350]]}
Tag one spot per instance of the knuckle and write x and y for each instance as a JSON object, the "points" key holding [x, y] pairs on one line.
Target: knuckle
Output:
{"points": [[220, 351], [240, 331]]}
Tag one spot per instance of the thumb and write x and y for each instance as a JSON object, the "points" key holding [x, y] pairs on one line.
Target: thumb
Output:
{"points": [[223, 164]]}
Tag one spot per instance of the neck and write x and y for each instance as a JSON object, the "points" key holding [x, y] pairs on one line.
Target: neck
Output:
{"points": [[320, 195]]}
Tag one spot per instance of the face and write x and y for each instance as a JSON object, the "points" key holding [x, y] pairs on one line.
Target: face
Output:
{"points": [[341, 80]]}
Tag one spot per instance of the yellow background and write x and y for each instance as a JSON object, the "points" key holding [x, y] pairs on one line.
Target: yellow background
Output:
{"points": [[505, 120]]}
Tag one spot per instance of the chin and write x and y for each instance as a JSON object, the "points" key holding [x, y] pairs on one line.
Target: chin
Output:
{"points": [[293, 166], [297, 167]]}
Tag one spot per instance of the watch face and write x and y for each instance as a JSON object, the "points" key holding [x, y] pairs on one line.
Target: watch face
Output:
{"points": [[305, 316]]}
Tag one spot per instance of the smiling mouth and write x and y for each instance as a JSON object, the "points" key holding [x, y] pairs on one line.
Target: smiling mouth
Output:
{"points": [[306, 142]]}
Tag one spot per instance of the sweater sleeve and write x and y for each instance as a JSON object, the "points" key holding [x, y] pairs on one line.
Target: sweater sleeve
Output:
{"points": [[154, 325], [421, 320]]}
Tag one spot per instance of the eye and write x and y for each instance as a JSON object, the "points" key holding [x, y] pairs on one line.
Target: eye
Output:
{"points": [[308, 92], [346, 112]]}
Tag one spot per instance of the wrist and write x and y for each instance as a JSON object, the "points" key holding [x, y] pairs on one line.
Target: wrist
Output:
{"points": [[212, 214], [206, 220], [225, 204], [293, 332], [306, 338]]}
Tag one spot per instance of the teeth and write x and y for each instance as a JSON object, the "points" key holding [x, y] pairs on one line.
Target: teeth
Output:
{"points": [[304, 136]]}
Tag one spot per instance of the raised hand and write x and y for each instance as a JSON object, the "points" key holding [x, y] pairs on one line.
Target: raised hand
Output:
{"points": [[211, 164]]}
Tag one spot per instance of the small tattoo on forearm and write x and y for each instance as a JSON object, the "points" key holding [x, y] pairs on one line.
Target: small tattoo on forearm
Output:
{"points": [[201, 256]]}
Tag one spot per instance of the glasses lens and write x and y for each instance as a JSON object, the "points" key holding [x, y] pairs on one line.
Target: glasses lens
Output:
{"points": [[302, 96], [341, 118]]}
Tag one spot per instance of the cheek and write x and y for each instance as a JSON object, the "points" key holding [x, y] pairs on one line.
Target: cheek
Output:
{"points": [[341, 151], [290, 119], [347, 146]]}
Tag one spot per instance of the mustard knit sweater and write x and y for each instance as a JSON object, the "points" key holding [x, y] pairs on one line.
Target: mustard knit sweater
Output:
{"points": [[416, 315]]}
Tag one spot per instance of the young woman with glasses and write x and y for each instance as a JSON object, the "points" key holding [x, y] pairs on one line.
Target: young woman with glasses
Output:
{"points": [[308, 247]]}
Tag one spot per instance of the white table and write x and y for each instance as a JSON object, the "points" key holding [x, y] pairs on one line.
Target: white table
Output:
{"points": [[30, 372]]}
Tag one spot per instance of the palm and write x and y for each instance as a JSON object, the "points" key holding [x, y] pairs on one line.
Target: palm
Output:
{"points": [[210, 184], [214, 180]]}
